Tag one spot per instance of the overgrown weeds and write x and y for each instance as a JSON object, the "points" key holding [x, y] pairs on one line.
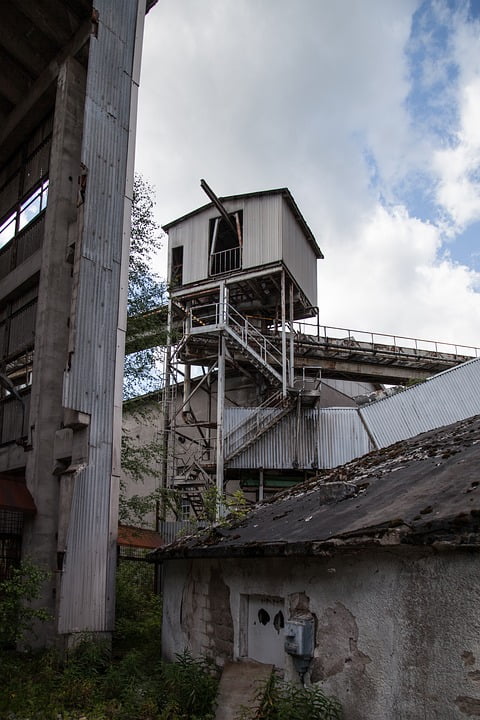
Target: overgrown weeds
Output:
{"points": [[17, 615], [278, 700], [96, 682]]}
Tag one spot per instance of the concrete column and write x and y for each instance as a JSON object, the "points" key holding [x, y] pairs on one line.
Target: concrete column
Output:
{"points": [[52, 332]]}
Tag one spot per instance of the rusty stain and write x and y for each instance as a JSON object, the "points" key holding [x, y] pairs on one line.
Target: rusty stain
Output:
{"points": [[468, 705]]}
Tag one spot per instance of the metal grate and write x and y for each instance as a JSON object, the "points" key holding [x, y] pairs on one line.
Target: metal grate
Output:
{"points": [[11, 525]]}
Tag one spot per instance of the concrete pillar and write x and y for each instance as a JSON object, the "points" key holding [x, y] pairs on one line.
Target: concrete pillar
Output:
{"points": [[52, 331]]}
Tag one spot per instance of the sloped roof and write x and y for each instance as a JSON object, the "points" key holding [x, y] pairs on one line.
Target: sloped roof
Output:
{"points": [[287, 196], [422, 491]]}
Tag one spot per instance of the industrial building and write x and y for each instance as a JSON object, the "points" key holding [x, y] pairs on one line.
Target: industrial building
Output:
{"points": [[70, 74], [362, 582], [258, 395]]}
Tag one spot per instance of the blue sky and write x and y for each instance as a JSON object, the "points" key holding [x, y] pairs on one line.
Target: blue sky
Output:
{"points": [[368, 110]]}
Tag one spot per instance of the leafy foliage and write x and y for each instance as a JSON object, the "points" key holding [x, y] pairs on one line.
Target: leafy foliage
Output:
{"points": [[216, 504], [189, 689], [141, 461], [284, 701], [138, 609], [145, 289], [146, 293], [17, 616]]}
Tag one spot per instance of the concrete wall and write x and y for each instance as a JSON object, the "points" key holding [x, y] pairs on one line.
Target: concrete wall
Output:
{"points": [[397, 634]]}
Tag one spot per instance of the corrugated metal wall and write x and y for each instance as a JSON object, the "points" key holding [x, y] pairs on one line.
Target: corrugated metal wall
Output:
{"points": [[86, 592], [262, 227], [341, 437], [270, 234], [328, 437], [319, 438], [443, 399], [261, 236], [192, 235], [299, 256]]}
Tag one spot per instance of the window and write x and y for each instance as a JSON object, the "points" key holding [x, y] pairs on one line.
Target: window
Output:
{"points": [[176, 275], [33, 205], [25, 212], [185, 509], [226, 243], [7, 229]]}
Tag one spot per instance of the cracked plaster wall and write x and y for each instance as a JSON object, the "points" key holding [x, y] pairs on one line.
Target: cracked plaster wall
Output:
{"points": [[397, 635]]}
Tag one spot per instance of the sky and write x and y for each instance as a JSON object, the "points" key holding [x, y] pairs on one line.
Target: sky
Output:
{"points": [[367, 110]]}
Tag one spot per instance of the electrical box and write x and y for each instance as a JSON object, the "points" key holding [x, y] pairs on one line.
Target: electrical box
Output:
{"points": [[300, 637]]}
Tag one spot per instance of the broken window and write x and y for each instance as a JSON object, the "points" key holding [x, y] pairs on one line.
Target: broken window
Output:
{"points": [[225, 242], [176, 275]]}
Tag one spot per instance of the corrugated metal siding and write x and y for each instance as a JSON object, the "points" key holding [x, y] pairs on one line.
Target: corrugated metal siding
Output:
{"points": [[341, 437], [298, 255], [86, 600], [443, 399], [193, 236], [261, 236], [262, 227], [276, 448], [327, 437]]}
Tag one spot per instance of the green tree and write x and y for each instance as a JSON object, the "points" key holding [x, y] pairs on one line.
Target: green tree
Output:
{"points": [[146, 336], [146, 327]]}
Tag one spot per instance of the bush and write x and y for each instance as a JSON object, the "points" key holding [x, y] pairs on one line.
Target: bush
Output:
{"points": [[138, 610], [17, 617], [189, 689], [93, 684]]}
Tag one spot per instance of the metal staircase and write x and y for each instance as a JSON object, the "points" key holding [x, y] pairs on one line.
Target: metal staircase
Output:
{"points": [[240, 334], [243, 338], [259, 422]]}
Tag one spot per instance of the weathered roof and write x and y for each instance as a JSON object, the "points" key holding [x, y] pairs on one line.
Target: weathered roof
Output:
{"points": [[422, 491], [286, 194]]}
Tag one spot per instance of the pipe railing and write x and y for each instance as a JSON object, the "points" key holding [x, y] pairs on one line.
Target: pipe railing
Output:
{"points": [[349, 338], [217, 315]]}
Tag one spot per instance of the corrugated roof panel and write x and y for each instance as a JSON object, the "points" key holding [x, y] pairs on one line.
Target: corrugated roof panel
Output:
{"points": [[443, 399]]}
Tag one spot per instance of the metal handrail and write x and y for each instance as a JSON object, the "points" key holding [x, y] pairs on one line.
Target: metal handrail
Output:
{"points": [[225, 261], [218, 314], [349, 336], [251, 336]]}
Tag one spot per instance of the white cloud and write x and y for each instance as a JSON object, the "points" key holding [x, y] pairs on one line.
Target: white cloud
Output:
{"points": [[313, 96], [458, 166], [391, 272]]}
